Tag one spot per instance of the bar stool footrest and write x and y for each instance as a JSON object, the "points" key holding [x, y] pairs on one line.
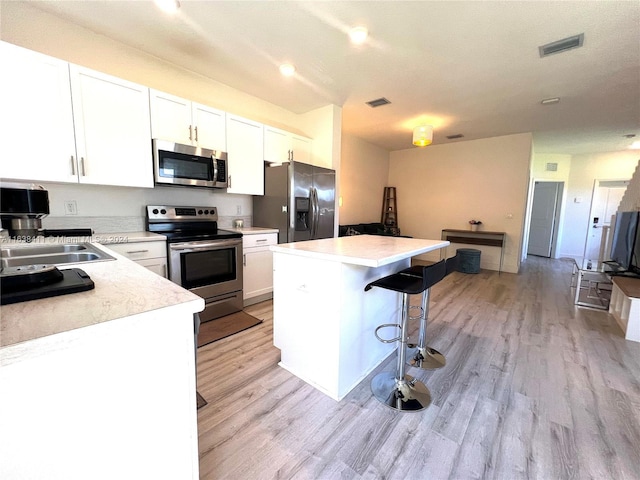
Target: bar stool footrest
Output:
{"points": [[387, 325]]}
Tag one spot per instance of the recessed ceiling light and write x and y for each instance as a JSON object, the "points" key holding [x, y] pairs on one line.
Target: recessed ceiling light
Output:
{"points": [[358, 35], [550, 101], [635, 145], [287, 69], [169, 6]]}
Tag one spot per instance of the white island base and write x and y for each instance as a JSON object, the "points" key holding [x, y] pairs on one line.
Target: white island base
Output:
{"points": [[324, 321]]}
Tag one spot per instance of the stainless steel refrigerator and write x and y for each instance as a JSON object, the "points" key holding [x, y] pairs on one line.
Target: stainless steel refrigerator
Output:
{"points": [[299, 200]]}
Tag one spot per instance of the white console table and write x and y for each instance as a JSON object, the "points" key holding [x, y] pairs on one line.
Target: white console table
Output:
{"points": [[478, 237], [625, 306]]}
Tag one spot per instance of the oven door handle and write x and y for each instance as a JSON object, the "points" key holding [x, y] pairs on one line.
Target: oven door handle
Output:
{"points": [[201, 247]]}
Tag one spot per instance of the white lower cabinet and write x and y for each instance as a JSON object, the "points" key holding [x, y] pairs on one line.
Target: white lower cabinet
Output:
{"points": [[257, 261], [151, 255]]}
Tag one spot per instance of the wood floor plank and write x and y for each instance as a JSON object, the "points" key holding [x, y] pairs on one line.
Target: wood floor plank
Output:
{"points": [[534, 388]]}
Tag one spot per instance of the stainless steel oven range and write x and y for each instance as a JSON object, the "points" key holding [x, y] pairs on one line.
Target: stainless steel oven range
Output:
{"points": [[201, 257]]}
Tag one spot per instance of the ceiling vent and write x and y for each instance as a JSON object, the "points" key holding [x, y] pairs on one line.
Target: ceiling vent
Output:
{"points": [[453, 137], [561, 45], [378, 102], [551, 167]]}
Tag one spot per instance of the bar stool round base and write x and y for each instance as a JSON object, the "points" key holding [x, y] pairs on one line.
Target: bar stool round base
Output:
{"points": [[427, 358], [411, 396]]}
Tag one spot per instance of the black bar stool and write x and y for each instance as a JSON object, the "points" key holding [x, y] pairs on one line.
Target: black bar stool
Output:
{"points": [[424, 356], [397, 389]]}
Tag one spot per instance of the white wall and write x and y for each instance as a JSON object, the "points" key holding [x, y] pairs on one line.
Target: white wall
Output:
{"points": [[126, 206], [540, 173], [631, 199], [364, 173], [29, 27], [585, 170], [445, 186]]}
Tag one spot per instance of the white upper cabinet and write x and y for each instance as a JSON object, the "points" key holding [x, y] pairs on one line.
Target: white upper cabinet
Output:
{"points": [[301, 149], [277, 145], [210, 127], [65, 123], [113, 129], [36, 119], [186, 122], [282, 146], [246, 151]]}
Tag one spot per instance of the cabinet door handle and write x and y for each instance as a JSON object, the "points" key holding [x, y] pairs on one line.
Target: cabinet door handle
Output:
{"points": [[261, 240], [84, 168], [190, 133], [244, 259], [229, 182], [137, 251], [73, 166], [196, 129]]}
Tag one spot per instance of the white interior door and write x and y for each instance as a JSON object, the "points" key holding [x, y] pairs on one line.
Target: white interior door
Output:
{"points": [[607, 195], [546, 196]]}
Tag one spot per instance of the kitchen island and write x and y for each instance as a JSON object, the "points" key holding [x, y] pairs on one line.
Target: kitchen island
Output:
{"points": [[101, 384], [323, 321]]}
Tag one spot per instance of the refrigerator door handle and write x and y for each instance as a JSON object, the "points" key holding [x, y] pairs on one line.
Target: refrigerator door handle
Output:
{"points": [[314, 212]]}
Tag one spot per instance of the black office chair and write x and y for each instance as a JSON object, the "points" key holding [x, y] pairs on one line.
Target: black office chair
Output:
{"points": [[396, 389]]}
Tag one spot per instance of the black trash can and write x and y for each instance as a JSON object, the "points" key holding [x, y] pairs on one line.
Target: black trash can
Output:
{"points": [[469, 260]]}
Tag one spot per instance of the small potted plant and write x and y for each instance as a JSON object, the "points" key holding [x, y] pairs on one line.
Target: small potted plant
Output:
{"points": [[474, 225]]}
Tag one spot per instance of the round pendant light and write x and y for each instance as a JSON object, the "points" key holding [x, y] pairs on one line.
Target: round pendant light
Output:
{"points": [[422, 135]]}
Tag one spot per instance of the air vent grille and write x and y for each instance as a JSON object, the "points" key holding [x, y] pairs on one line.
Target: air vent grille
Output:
{"points": [[561, 45], [453, 137], [378, 102], [551, 167]]}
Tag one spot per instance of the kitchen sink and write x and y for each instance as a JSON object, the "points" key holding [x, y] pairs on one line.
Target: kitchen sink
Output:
{"points": [[19, 256], [29, 251]]}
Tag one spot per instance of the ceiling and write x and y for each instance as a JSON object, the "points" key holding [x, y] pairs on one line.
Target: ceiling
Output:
{"points": [[470, 68]]}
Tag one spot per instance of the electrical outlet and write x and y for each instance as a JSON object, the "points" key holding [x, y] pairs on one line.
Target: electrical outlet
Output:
{"points": [[238, 210], [70, 207]]}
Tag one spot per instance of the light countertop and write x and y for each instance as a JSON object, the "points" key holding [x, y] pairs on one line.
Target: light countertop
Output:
{"points": [[127, 237], [365, 250], [103, 238], [122, 288], [252, 230]]}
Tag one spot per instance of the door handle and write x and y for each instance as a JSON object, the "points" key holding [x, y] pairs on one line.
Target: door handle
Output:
{"points": [[73, 166]]}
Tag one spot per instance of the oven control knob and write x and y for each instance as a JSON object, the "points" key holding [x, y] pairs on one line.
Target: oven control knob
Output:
{"points": [[155, 211], [163, 211], [206, 212], [199, 212]]}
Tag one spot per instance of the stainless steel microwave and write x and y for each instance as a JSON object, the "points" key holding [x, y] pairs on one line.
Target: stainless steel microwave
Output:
{"points": [[177, 164]]}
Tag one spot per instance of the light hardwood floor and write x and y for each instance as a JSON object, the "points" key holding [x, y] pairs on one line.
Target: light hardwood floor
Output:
{"points": [[534, 388]]}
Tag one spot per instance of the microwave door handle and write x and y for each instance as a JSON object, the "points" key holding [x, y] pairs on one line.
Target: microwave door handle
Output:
{"points": [[215, 167]]}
